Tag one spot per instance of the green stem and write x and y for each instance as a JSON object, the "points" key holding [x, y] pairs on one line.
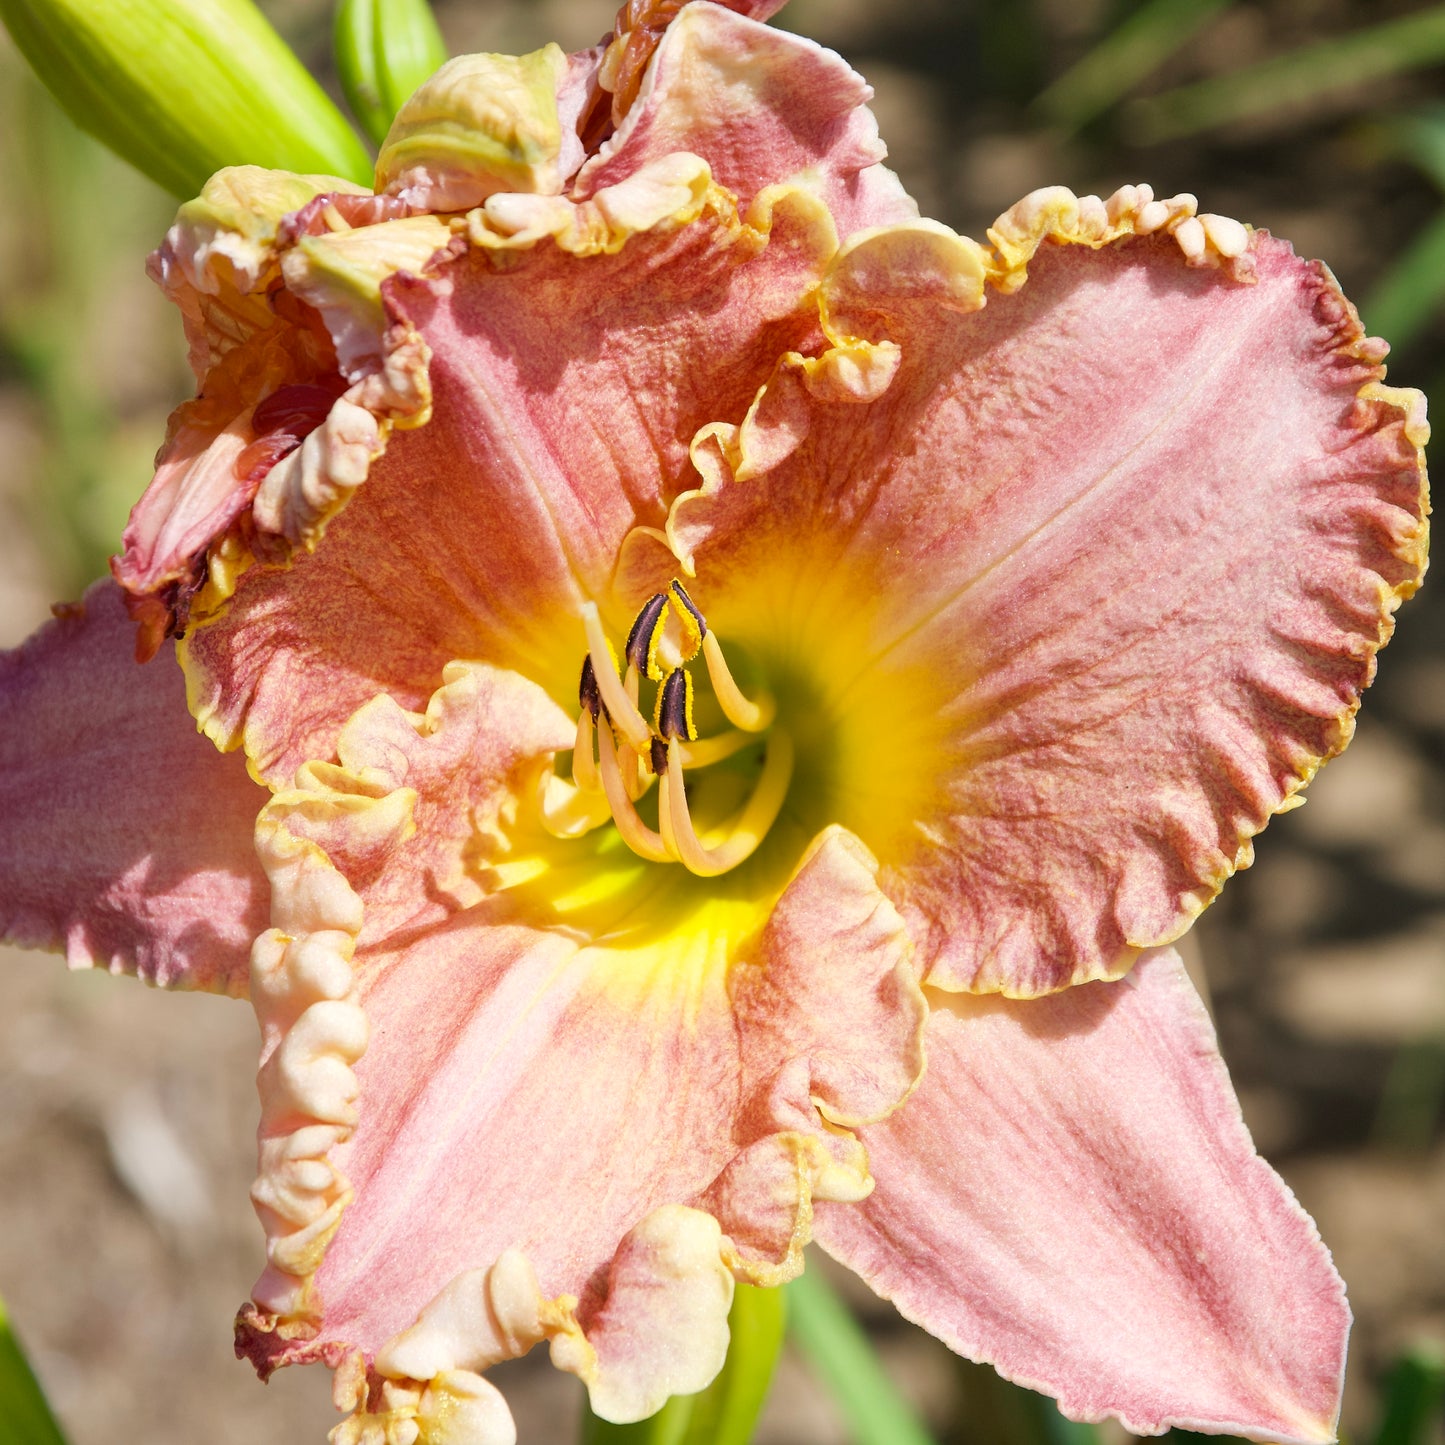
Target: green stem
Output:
{"points": [[25, 1417], [839, 1352], [726, 1412], [1413, 1397]]}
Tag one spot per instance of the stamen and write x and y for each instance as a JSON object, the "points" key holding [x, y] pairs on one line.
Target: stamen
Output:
{"points": [[568, 811], [584, 764], [673, 715], [687, 605], [621, 708], [635, 833], [705, 753], [588, 697], [635, 776], [752, 824], [752, 717], [642, 641]]}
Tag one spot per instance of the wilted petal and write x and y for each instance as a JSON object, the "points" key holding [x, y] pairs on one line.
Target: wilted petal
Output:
{"points": [[566, 388], [129, 843], [1072, 1196], [1115, 553], [763, 108]]}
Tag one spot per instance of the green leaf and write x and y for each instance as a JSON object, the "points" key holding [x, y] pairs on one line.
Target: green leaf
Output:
{"points": [[726, 1412], [1122, 59], [384, 50], [1413, 1398], [1408, 43], [25, 1417], [181, 88], [841, 1356]]}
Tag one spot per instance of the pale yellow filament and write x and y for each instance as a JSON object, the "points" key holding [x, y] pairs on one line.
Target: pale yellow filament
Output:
{"points": [[635, 833], [568, 811], [621, 708], [752, 824], [584, 764], [704, 752], [752, 717]]}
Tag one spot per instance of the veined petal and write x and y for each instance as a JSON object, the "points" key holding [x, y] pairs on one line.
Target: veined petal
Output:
{"points": [[1127, 541], [763, 107], [708, 1103], [130, 839], [567, 378], [1072, 1197]]}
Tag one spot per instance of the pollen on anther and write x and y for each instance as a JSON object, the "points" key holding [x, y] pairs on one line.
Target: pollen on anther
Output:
{"points": [[679, 592], [641, 650], [673, 718], [589, 695], [657, 756]]}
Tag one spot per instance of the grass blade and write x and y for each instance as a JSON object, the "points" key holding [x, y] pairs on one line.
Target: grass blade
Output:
{"points": [[1401, 305], [1409, 43], [25, 1417], [839, 1352], [1122, 59]]}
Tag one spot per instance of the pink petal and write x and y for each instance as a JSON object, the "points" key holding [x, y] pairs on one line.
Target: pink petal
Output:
{"points": [[762, 107], [131, 840], [639, 28], [1072, 1197], [716, 1071], [566, 390], [1129, 539]]}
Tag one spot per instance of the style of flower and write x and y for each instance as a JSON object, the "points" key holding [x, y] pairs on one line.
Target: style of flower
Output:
{"points": [[736, 724]]}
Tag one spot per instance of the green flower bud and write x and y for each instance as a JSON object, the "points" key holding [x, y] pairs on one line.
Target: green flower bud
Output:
{"points": [[384, 50], [181, 88]]}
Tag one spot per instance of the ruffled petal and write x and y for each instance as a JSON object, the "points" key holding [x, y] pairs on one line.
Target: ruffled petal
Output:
{"points": [[575, 349], [130, 839], [290, 414], [429, 997], [1091, 579], [762, 107], [1072, 1196]]}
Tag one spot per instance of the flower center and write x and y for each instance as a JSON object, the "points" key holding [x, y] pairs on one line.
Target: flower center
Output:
{"points": [[619, 754]]}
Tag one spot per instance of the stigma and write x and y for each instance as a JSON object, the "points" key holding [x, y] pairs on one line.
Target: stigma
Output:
{"points": [[620, 752]]}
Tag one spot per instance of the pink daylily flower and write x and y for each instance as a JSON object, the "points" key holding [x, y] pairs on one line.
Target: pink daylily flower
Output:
{"points": [[948, 619]]}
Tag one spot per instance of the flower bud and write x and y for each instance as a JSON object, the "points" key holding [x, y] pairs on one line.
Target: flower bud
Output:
{"points": [[181, 88], [384, 50]]}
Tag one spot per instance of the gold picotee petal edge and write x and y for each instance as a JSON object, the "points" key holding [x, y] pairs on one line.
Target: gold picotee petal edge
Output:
{"points": [[855, 369], [798, 1144], [1056, 215]]}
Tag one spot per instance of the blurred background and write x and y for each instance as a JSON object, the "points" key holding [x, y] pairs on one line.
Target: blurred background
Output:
{"points": [[126, 1121]]}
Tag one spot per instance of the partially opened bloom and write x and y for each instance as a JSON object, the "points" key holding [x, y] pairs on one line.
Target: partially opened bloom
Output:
{"points": [[741, 687]]}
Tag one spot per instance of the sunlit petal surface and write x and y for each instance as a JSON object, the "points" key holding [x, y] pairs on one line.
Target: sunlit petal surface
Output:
{"points": [[722, 655], [127, 843], [1072, 1196]]}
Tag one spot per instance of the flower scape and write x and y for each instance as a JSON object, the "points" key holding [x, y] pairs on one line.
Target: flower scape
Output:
{"points": [[717, 696]]}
